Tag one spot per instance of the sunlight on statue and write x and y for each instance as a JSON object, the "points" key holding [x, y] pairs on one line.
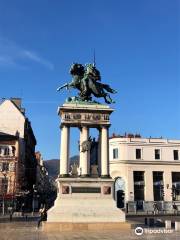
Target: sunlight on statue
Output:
{"points": [[87, 80]]}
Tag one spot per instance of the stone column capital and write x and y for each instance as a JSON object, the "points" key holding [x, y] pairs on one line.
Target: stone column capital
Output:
{"points": [[64, 125], [85, 127], [104, 127]]}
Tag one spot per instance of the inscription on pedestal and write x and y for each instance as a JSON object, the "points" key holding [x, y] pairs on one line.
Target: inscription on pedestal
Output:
{"points": [[86, 190], [85, 117]]}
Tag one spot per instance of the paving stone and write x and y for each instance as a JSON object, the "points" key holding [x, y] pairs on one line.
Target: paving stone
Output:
{"points": [[28, 231]]}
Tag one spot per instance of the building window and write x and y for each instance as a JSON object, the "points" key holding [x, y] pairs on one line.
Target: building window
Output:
{"points": [[138, 185], [158, 186], [4, 185], [5, 166], [138, 153], [6, 151], [157, 153], [115, 153], [176, 154], [176, 186]]}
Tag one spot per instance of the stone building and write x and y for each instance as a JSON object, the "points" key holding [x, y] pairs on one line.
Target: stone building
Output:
{"points": [[17, 144], [146, 169], [9, 148], [45, 187]]}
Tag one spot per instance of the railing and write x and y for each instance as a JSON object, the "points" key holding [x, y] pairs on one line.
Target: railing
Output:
{"points": [[7, 157]]}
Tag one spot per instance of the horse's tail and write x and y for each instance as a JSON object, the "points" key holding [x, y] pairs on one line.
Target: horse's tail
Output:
{"points": [[108, 88]]}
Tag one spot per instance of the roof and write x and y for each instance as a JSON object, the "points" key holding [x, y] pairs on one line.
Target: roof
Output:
{"points": [[12, 100], [16, 102], [7, 137]]}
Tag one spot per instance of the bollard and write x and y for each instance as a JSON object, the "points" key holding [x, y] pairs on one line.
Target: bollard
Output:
{"points": [[168, 224], [151, 222], [126, 207], [177, 226]]}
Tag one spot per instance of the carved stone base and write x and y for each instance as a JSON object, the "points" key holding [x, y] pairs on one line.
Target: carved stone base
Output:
{"points": [[85, 200], [96, 226]]}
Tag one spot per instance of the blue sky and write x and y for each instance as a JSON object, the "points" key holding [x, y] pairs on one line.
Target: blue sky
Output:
{"points": [[137, 52]]}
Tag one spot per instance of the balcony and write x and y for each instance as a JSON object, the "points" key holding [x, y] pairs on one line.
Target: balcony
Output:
{"points": [[7, 158]]}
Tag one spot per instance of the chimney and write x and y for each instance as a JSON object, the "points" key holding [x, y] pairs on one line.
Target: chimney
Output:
{"points": [[17, 102]]}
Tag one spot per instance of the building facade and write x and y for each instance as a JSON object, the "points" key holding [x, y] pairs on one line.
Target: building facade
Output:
{"points": [[45, 186], [9, 155], [17, 150], [148, 169]]}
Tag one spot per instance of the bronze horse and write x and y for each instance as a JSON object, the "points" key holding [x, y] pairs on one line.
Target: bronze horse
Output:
{"points": [[87, 81]]}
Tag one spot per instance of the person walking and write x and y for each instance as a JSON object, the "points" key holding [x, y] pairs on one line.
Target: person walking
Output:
{"points": [[43, 216], [10, 209]]}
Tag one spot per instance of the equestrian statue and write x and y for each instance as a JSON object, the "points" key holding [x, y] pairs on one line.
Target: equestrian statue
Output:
{"points": [[87, 80]]}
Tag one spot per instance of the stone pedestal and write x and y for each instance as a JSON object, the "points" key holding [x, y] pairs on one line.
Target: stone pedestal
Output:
{"points": [[85, 200]]}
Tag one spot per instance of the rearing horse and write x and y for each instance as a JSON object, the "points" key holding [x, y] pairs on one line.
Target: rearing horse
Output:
{"points": [[86, 80]]}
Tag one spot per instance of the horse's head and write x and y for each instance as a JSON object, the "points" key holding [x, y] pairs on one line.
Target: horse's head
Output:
{"points": [[77, 69]]}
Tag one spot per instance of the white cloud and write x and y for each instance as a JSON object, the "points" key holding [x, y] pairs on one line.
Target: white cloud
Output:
{"points": [[11, 54], [34, 57]]}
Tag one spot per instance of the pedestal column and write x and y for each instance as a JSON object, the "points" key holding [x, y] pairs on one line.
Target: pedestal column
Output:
{"points": [[99, 153], [85, 156], [64, 154], [104, 152], [80, 152]]}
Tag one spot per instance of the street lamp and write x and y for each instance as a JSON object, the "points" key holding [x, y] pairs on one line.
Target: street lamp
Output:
{"points": [[33, 202], [4, 192]]}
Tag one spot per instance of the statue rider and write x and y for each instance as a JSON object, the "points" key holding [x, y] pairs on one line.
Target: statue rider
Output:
{"points": [[91, 73], [85, 80]]}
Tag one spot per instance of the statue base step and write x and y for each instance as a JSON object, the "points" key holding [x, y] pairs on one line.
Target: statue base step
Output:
{"points": [[72, 227], [85, 201]]}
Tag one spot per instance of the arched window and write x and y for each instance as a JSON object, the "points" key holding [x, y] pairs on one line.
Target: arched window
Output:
{"points": [[120, 192], [13, 151]]}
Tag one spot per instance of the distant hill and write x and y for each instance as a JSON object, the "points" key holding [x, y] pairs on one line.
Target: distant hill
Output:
{"points": [[52, 165]]}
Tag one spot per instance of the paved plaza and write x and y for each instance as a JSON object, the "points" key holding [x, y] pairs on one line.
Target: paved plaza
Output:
{"points": [[28, 231]]}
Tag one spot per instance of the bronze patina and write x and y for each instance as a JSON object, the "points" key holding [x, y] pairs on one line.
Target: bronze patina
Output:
{"points": [[87, 80]]}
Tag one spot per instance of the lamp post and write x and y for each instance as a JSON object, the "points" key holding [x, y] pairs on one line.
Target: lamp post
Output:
{"points": [[33, 202], [4, 192]]}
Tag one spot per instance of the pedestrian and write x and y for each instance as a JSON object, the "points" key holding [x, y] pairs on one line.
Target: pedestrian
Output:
{"points": [[156, 208], [175, 208], [10, 209], [22, 209], [43, 216]]}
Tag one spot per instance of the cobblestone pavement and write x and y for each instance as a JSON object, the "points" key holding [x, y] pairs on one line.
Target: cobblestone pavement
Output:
{"points": [[28, 231]]}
